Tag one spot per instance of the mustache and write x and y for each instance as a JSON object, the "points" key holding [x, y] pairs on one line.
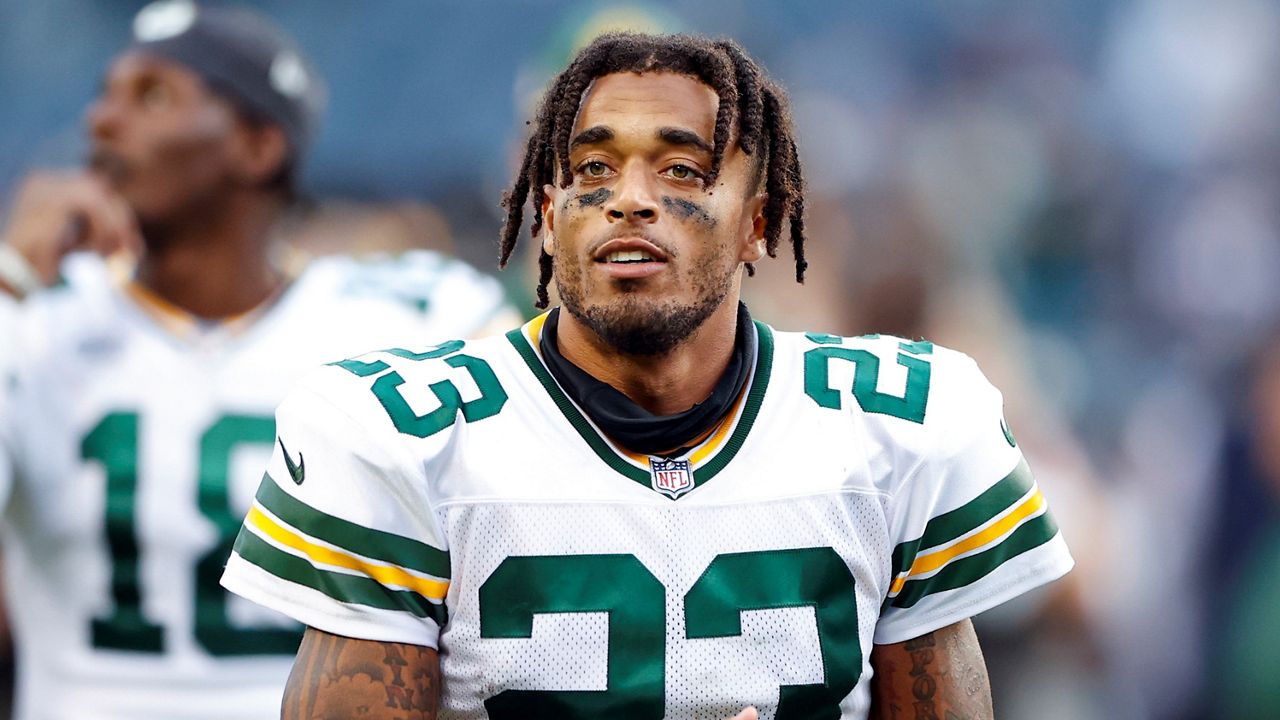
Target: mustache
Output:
{"points": [[631, 232]]}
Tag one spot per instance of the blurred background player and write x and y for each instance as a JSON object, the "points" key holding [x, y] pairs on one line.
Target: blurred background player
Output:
{"points": [[139, 409]]}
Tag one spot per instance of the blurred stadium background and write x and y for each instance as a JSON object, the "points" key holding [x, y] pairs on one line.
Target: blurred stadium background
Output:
{"points": [[1080, 194]]}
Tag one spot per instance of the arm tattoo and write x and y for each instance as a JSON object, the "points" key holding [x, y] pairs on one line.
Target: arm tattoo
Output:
{"points": [[335, 678], [937, 676]]}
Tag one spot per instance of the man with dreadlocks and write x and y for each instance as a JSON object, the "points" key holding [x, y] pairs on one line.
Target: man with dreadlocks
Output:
{"points": [[644, 504]]}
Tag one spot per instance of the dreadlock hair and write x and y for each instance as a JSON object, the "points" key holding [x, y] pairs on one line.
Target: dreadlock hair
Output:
{"points": [[746, 95]]}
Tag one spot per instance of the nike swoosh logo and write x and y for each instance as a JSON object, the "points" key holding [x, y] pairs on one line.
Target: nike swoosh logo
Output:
{"points": [[1008, 434], [297, 471]]}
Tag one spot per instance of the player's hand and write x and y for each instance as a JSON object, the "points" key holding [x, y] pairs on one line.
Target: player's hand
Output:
{"points": [[56, 213], [748, 713]]}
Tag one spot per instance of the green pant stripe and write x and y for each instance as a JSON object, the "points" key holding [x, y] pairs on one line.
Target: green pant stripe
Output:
{"points": [[948, 526], [352, 589], [1031, 534], [370, 543]]}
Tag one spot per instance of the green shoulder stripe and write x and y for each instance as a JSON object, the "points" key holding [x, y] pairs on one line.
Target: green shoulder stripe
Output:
{"points": [[950, 525], [353, 589], [370, 543], [1032, 534]]}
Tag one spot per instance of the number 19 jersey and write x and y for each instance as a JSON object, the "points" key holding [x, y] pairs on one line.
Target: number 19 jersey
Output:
{"points": [[862, 490]]}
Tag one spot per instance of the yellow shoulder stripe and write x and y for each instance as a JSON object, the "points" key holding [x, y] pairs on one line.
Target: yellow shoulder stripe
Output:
{"points": [[930, 561], [385, 574]]}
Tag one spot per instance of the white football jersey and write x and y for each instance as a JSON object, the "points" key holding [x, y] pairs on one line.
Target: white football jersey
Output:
{"points": [[136, 437], [862, 490], [8, 356]]}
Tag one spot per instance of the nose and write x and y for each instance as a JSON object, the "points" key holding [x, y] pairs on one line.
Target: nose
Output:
{"points": [[633, 199], [103, 118]]}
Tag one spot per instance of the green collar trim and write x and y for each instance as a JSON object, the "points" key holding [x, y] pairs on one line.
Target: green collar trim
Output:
{"points": [[605, 450]]}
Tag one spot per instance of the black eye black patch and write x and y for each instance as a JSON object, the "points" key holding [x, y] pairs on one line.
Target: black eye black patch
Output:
{"points": [[689, 210], [594, 198]]}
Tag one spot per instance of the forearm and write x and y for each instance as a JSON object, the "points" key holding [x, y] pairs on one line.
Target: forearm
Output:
{"points": [[337, 678], [937, 676]]}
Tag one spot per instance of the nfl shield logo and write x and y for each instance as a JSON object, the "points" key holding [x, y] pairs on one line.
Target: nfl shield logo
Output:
{"points": [[670, 477]]}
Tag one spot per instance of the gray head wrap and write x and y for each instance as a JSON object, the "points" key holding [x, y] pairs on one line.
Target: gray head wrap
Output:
{"points": [[240, 55]]}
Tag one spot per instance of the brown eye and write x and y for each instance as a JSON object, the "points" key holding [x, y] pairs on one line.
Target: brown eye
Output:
{"points": [[155, 96], [595, 169], [684, 173]]}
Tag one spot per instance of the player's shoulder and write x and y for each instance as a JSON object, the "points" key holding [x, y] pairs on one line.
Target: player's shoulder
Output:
{"points": [[418, 361], [82, 309], [418, 290], [416, 390], [921, 404], [911, 386], [414, 278]]}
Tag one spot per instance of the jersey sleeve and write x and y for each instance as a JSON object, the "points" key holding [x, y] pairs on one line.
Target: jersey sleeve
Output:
{"points": [[970, 527], [341, 536], [451, 298], [472, 303], [8, 362]]}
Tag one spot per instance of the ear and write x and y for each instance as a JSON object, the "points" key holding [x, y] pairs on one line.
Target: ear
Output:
{"points": [[753, 248], [261, 152], [550, 198]]}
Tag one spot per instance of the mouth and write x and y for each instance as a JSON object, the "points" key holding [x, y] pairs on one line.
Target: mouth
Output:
{"points": [[113, 168], [629, 250], [630, 258]]}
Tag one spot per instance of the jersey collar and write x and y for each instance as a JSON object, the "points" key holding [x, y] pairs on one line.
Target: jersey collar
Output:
{"points": [[706, 458], [187, 327]]}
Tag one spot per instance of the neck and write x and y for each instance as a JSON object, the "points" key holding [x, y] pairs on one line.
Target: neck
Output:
{"points": [[217, 264], [665, 384]]}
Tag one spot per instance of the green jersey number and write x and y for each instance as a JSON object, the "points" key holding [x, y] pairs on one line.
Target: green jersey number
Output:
{"points": [[386, 387], [866, 375], [635, 600], [114, 443]]}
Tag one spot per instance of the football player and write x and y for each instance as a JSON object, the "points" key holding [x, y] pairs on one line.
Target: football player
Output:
{"points": [[134, 432], [644, 503]]}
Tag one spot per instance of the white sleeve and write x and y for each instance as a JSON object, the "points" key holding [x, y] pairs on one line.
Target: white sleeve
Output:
{"points": [[453, 299], [971, 528], [341, 536], [8, 362], [472, 303]]}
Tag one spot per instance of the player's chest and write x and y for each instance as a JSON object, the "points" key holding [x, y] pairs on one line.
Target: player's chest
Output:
{"points": [[156, 432], [592, 608], [528, 446]]}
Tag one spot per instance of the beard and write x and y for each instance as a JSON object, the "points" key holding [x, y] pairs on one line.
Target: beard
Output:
{"points": [[639, 326]]}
